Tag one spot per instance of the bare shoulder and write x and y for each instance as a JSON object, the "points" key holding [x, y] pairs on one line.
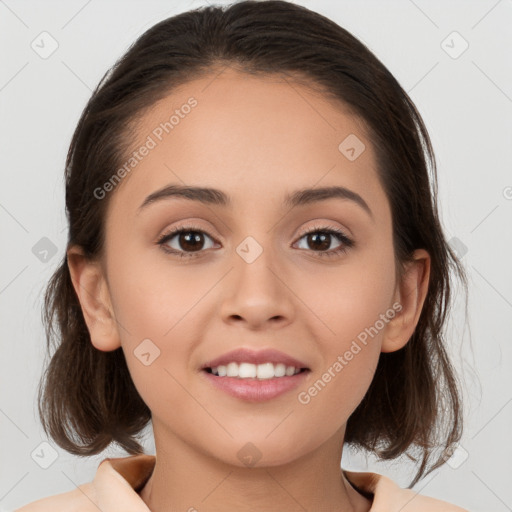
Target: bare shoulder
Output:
{"points": [[80, 499]]}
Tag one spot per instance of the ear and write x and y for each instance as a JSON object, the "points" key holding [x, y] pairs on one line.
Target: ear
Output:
{"points": [[92, 290], [410, 295]]}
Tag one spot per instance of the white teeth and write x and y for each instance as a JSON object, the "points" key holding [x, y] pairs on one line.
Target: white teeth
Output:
{"points": [[251, 371], [263, 371], [247, 371], [290, 370], [232, 370]]}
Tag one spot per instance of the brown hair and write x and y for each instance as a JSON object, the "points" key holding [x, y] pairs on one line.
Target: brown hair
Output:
{"points": [[413, 402]]}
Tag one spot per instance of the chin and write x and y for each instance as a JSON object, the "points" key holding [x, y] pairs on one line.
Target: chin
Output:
{"points": [[260, 451]]}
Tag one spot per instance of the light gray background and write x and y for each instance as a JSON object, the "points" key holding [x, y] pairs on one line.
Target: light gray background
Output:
{"points": [[466, 103]]}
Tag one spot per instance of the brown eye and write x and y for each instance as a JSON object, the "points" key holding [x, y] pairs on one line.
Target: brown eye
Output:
{"points": [[190, 240], [185, 240], [319, 239]]}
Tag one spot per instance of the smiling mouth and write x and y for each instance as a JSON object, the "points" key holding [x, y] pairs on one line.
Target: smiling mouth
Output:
{"points": [[255, 383], [251, 371]]}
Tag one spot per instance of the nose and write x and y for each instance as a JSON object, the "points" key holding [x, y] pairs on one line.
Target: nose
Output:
{"points": [[258, 294]]}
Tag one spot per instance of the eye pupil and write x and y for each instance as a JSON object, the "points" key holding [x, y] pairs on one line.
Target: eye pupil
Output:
{"points": [[187, 240], [319, 235]]}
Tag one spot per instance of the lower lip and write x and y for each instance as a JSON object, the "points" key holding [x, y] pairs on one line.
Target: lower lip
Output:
{"points": [[256, 390]]}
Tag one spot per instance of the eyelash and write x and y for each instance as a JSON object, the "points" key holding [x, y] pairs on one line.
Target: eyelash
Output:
{"points": [[347, 243]]}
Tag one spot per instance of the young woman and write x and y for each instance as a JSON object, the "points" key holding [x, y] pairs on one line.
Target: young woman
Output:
{"points": [[255, 265]]}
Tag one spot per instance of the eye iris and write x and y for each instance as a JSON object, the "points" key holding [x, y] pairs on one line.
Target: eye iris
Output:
{"points": [[320, 235], [188, 238]]}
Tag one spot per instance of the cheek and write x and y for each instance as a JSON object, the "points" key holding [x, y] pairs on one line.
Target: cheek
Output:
{"points": [[333, 394], [156, 307], [351, 298], [152, 298], [354, 309]]}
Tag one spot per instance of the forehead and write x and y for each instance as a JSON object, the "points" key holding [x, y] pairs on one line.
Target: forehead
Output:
{"points": [[252, 136]]}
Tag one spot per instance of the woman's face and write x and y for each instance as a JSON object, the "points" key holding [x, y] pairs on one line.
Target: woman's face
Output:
{"points": [[250, 276]]}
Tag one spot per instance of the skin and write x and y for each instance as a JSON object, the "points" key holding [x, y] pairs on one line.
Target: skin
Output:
{"points": [[256, 139]]}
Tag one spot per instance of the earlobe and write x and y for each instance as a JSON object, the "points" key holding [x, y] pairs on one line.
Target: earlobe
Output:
{"points": [[410, 294], [91, 288]]}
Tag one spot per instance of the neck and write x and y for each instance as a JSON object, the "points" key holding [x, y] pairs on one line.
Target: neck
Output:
{"points": [[186, 479]]}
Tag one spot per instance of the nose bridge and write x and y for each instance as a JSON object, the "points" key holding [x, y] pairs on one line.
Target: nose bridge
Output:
{"points": [[256, 248], [256, 264], [257, 293]]}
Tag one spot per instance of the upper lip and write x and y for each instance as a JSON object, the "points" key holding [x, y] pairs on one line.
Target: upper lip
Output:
{"points": [[245, 355]]}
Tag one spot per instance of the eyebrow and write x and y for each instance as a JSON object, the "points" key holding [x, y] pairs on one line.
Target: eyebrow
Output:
{"points": [[212, 196]]}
